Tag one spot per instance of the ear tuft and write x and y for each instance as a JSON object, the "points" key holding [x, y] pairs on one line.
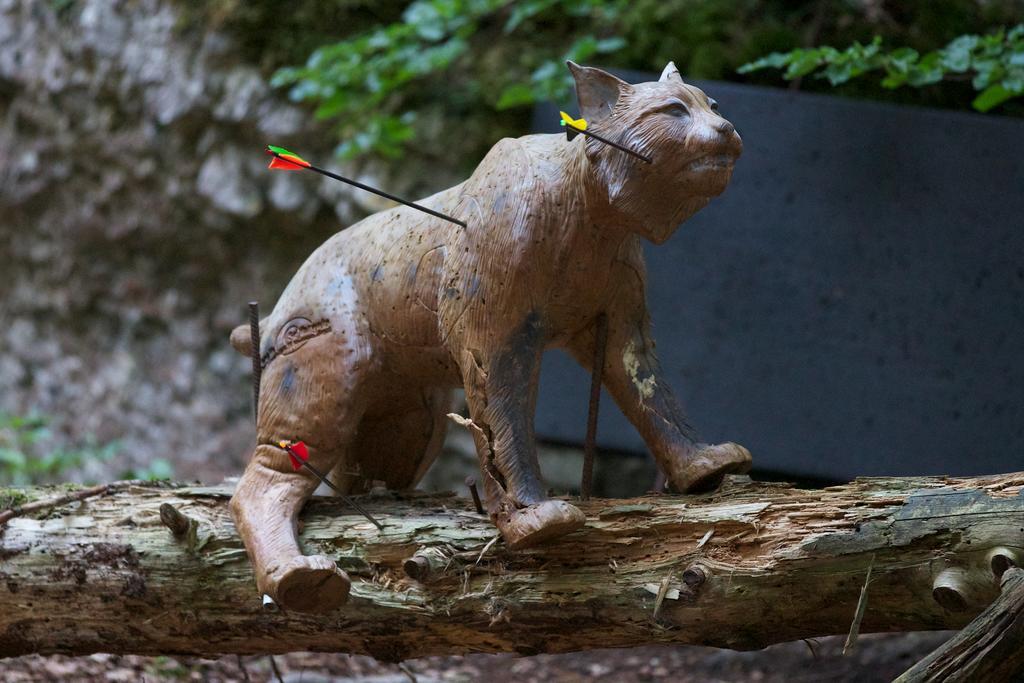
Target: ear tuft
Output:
{"points": [[597, 91], [670, 73]]}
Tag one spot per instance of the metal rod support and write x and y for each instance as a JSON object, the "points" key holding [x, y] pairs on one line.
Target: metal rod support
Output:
{"points": [[590, 445], [257, 365], [471, 483]]}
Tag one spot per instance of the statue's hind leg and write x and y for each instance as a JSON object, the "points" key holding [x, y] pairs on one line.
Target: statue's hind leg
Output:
{"points": [[309, 395]]}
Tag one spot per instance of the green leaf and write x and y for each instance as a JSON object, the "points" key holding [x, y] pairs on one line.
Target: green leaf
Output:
{"points": [[1014, 81], [987, 72], [159, 469], [775, 60], [956, 56], [333, 106], [928, 70], [894, 80], [521, 11], [991, 97], [802, 64], [284, 76], [426, 20], [584, 48], [515, 95], [902, 59], [12, 459], [613, 44]]}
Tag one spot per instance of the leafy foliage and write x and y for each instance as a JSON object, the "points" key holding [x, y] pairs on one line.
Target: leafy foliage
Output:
{"points": [[995, 63], [441, 80], [21, 439], [358, 81]]}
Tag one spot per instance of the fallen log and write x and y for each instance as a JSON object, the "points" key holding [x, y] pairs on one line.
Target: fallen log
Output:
{"points": [[159, 569]]}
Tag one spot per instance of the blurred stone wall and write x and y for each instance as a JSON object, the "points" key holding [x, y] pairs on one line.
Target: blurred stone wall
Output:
{"points": [[137, 218]]}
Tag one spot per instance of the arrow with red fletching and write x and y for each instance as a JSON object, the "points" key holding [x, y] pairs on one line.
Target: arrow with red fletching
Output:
{"points": [[298, 453], [285, 160]]}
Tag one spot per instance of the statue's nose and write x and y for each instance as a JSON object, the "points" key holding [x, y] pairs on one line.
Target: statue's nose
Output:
{"points": [[729, 138]]}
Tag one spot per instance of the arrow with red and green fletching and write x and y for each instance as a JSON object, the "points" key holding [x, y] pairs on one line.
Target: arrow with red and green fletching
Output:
{"points": [[286, 160]]}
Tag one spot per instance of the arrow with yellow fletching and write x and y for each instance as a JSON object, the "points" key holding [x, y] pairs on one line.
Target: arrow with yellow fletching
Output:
{"points": [[286, 160], [574, 127]]}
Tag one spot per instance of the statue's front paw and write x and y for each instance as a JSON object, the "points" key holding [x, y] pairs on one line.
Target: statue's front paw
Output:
{"points": [[704, 468], [537, 523], [311, 584]]}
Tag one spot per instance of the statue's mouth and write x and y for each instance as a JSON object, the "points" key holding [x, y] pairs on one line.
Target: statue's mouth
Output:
{"points": [[712, 162]]}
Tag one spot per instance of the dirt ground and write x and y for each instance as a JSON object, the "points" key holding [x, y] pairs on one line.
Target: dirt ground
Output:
{"points": [[876, 658]]}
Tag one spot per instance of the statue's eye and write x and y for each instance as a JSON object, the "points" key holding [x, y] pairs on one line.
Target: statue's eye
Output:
{"points": [[713, 105], [676, 108]]}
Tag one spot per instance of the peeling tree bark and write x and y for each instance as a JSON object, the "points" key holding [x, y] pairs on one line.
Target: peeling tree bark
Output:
{"points": [[751, 565]]}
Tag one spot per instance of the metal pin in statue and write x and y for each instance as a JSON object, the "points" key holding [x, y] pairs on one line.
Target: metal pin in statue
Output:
{"points": [[574, 127], [299, 455], [257, 365], [290, 161], [596, 373]]}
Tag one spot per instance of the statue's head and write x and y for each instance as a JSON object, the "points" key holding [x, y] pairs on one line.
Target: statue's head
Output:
{"points": [[691, 146]]}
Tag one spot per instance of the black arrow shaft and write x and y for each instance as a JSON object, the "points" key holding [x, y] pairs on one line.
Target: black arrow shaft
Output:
{"points": [[381, 193], [627, 150], [324, 480]]}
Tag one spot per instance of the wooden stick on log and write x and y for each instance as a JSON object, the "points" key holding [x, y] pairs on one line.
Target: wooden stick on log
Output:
{"points": [[776, 564], [79, 494]]}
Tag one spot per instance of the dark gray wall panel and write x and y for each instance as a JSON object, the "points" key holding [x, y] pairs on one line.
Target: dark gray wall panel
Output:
{"points": [[852, 305]]}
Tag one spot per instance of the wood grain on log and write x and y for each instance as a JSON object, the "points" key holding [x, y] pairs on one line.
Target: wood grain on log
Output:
{"points": [[751, 565]]}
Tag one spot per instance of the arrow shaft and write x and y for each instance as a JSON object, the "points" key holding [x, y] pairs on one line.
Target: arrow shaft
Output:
{"points": [[627, 150], [381, 193], [324, 480]]}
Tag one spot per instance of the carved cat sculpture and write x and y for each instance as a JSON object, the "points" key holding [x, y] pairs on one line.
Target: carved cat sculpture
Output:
{"points": [[365, 344]]}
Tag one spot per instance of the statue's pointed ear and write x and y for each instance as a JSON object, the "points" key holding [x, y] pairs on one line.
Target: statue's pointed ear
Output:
{"points": [[671, 73], [597, 91]]}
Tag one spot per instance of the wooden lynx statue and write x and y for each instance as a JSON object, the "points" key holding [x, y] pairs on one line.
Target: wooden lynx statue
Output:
{"points": [[366, 343]]}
